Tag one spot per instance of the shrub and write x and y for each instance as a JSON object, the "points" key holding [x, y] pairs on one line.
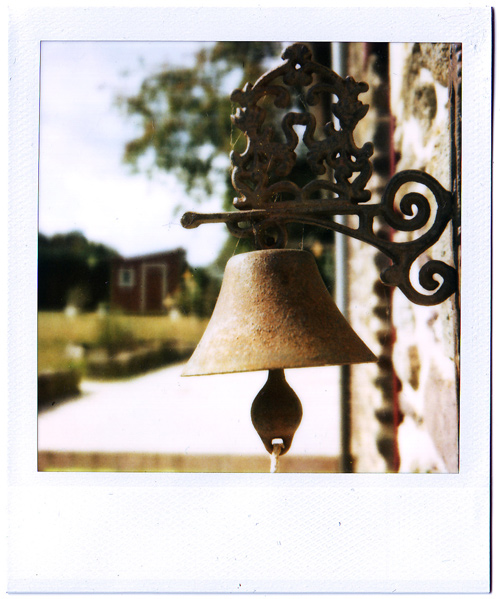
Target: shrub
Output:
{"points": [[114, 336]]}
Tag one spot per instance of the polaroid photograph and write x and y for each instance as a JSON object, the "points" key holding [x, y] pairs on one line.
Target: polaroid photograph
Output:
{"points": [[249, 344]]}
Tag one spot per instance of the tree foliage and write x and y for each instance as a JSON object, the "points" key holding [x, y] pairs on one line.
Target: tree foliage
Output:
{"points": [[72, 270], [184, 113]]}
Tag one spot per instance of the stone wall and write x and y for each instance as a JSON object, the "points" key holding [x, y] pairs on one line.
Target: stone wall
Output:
{"points": [[369, 301], [416, 380]]}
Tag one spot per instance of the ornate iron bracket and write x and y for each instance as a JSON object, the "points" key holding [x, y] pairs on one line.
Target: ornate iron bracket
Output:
{"points": [[267, 201]]}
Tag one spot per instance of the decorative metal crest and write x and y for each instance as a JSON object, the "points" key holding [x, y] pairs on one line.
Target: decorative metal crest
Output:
{"points": [[264, 157], [267, 201]]}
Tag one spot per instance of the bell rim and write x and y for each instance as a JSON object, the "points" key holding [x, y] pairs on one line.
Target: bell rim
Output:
{"points": [[290, 322]]}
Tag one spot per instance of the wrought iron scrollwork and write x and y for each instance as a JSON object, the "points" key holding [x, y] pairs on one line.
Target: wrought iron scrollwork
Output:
{"points": [[263, 213], [414, 214], [265, 157]]}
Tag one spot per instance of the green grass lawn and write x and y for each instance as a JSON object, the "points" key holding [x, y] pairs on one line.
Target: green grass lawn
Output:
{"points": [[56, 331]]}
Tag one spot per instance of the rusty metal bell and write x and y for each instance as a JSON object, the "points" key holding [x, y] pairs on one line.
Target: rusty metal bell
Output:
{"points": [[275, 312]]}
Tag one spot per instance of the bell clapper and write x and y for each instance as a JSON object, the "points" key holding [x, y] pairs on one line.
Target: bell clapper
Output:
{"points": [[277, 447], [276, 413]]}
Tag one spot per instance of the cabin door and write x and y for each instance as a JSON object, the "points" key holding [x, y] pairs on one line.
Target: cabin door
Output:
{"points": [[155, 287]]}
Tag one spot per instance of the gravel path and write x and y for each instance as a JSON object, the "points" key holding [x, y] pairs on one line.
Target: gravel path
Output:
{"points": [[163, 412]]}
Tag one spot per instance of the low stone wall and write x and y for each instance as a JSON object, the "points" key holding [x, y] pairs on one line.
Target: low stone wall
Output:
{"points": [[54, 386], [99, 364], [64, 461]]}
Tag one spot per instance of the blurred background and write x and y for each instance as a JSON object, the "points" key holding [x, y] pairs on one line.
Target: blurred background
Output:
{"points": [[134, 134]]}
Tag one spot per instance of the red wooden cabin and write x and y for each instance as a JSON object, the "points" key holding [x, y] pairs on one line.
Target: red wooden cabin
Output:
{"points": [[143, 283]]}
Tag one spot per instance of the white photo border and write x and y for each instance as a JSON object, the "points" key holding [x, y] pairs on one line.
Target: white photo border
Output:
{"points": [[83, 532]]}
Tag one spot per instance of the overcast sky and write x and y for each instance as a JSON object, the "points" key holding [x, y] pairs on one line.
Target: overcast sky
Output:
{"points": [[84, 184]]}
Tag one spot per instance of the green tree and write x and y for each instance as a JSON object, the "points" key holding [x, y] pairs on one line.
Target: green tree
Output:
{"points": [[73, 270], [184, 115]]}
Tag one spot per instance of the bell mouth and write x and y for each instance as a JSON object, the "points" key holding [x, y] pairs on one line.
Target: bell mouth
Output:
{"points": [[275, 312]]}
